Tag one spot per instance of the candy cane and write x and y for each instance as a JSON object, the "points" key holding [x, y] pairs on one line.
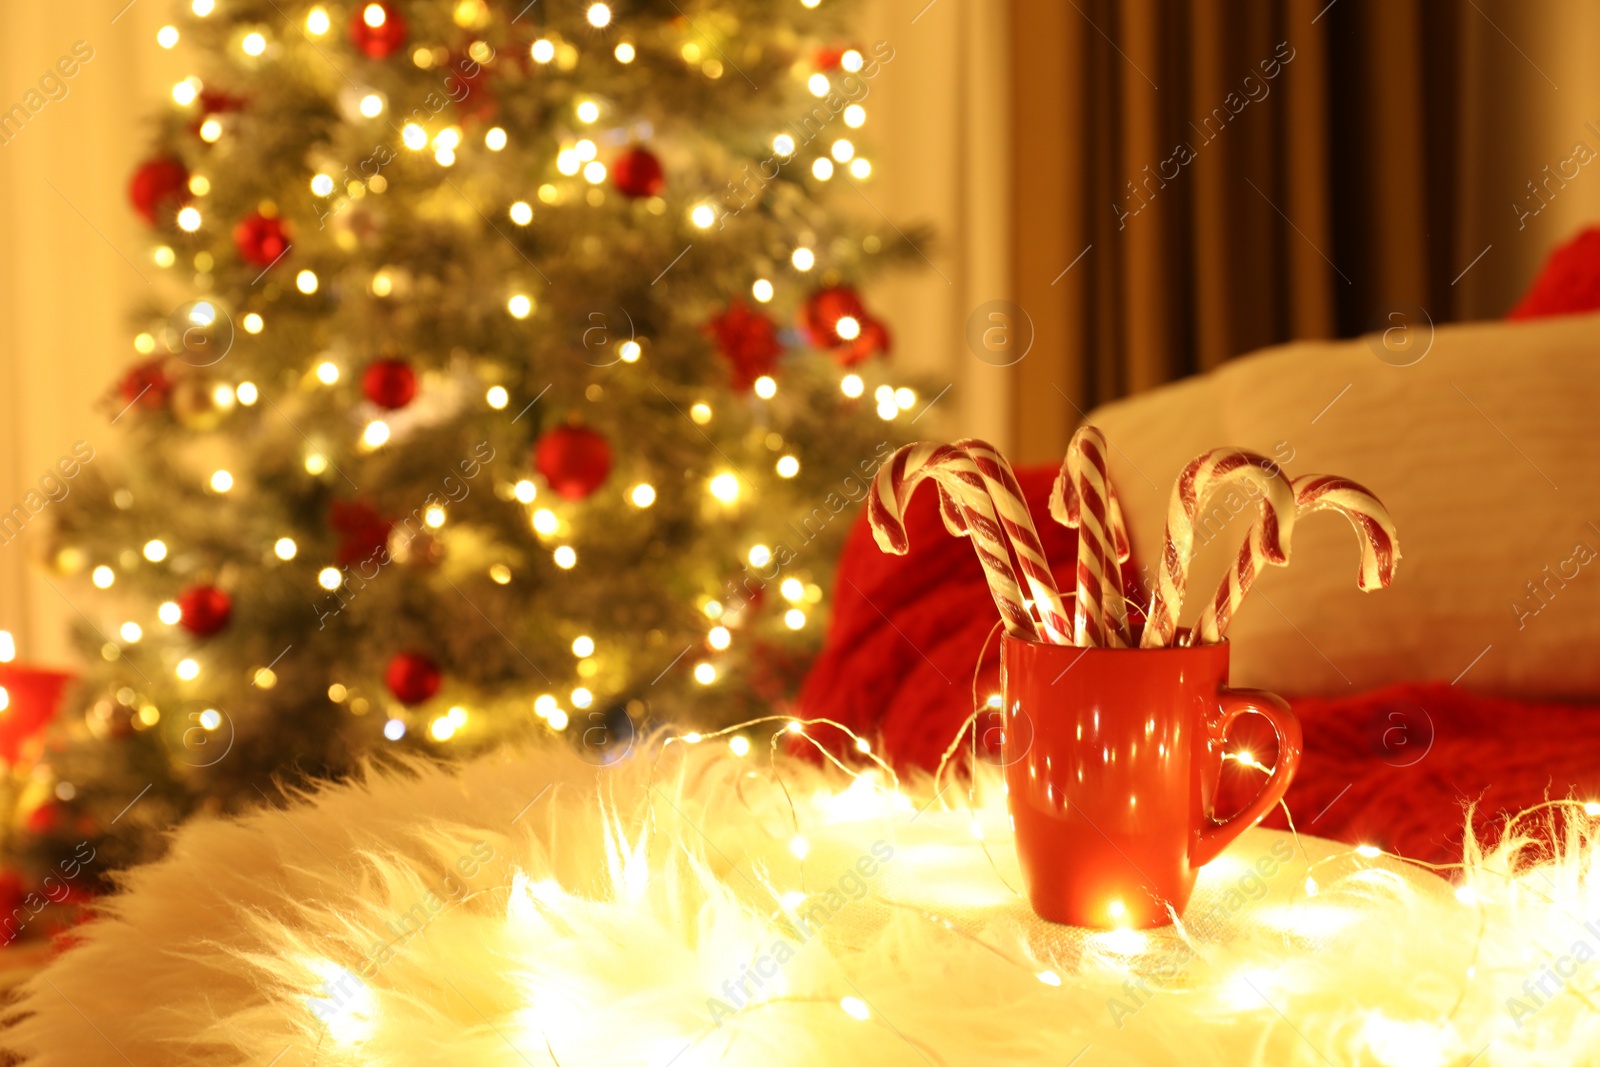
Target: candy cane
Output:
{"points": [[957, 476], [1017, 523], [1064, 502], [1375, 533], [1203, 476], [1083, 499]]}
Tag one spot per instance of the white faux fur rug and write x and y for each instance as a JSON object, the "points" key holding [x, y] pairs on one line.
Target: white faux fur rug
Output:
{"points": [[531, 909]]}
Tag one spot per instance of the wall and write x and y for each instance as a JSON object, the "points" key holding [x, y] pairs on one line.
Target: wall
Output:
{"points": [[71, 259]]}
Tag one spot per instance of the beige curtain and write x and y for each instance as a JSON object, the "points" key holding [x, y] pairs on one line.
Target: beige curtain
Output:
{"points": [[1200, 178]]}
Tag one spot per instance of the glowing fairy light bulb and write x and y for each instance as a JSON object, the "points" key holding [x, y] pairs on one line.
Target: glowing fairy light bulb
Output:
{"points": [[759, 555], [525, 492], [703, 216], [855, 116], [599, 16], [705, 673], [188, 670], [799, 847], [765, 387], [306, 281], [847, 327], [761, 290], [739, 745], [253, 44], [155, 550], [521, 213], [188, 220], [543, 51], [131, 632], [843, 150], [285, 548], [1369, 851], [719, 638], [211, 131], [316, 463], [629, 351], [322, 185], [376, 433], [795, 727], [643, 495], [442, 729], [700, 413], [545, 522], [414, 137], [221, 481], [860, 168], [186, 92], [803, 259], [371, 105], [905, 399], [394, 729], [317, 21], [725, 487], [374, 15], [583, 646], [329, 578], [787, 466], [822, 168], [495, 139], [520, 306], [582, 698], [497, 397], [8, 647], [434, 517], [594, 173], [169, 613], [793, 590], [167, 36], [818, 84], [783, 145], [852, 386], [794, 619], [588, 111], [566, 557], [203, 7], [713, 609], [624, 53]]}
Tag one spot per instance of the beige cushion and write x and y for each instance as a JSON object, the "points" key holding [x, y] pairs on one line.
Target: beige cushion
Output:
{"points": [[1487, 453]]}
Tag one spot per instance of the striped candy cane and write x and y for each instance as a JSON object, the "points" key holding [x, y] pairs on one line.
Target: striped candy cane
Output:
{"points": [[962, 488], [1083, 499], [1017, 524], [1375, 533], [1064, 503], [1204, 475]]}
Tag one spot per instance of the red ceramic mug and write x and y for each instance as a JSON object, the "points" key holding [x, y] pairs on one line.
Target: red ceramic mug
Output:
{"points": [[1112, 759]]}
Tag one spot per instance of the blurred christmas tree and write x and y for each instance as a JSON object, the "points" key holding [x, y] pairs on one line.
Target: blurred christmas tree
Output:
{"points": [[478, 415]]}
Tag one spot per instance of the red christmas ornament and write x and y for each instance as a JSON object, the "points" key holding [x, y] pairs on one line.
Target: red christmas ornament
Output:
{"points": [[829, 58], [378, 28], [204, 609], [820, 315], [260, 239], [748, 340], [158, 188], [873, 340], [146, 384], [389, 383], [412, 677], [575, 460], [637, 173], [469, 87], [362, 531], [823, 321]]}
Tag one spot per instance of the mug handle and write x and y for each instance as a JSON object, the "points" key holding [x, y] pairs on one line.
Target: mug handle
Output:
{"points": [[1232, 703]]}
